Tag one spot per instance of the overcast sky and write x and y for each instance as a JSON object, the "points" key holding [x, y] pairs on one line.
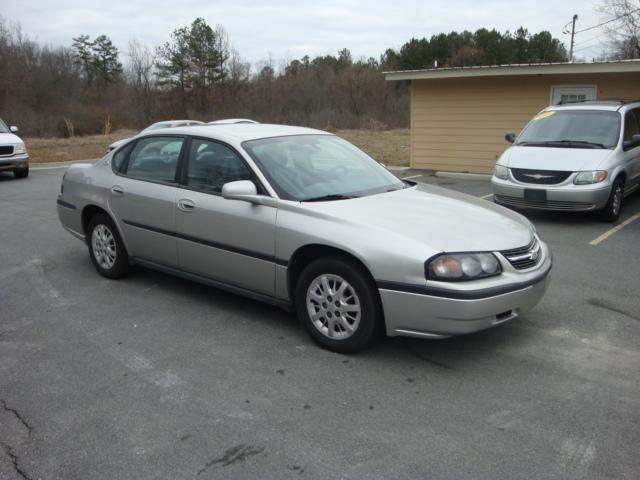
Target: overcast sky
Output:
{"points": [[287, 29]]}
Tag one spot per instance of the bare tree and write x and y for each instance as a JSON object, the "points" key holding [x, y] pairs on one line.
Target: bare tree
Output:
{"points": [[141, 78], [623, 28]]}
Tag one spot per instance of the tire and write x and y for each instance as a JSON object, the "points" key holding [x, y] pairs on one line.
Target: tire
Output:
{"points": [[351, 330], [106, 249], [611, 211], [21, 172]]}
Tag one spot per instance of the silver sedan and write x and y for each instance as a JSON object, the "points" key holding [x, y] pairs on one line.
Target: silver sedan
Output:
{"points": [[303, 219]]}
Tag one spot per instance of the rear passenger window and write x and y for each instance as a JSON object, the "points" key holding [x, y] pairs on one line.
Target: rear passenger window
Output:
{"points": [[155, 159], [211, 165]]}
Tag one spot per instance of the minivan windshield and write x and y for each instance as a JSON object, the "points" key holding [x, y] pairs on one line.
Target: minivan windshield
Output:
{"points": [[319, 168], [3, 127], [572, 129]]}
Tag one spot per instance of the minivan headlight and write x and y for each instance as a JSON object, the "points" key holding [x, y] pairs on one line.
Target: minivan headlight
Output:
{"points": [[462, 266], [501, 171], [587, 178]]}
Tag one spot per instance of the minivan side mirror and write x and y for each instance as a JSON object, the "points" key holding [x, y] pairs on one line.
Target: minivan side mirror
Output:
{"points": [[246, 191], [633, 143], [510, 137], [13, 129]]}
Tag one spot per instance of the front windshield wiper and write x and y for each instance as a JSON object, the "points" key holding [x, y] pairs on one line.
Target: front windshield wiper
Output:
{"points": [[564, 143], [327, 198]]}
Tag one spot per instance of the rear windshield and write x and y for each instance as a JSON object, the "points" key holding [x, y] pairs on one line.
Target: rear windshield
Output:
{"points": [[573, 129]]}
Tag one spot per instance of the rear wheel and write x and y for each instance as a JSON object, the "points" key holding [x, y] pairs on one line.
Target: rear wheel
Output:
{"points": [[21, 172], [611, 211], [338, 305], [106, 249]]}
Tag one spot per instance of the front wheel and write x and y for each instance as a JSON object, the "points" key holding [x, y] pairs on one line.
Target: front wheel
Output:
{"points": [[21, 172], [611, 211], [338, 304], [106, 249]]}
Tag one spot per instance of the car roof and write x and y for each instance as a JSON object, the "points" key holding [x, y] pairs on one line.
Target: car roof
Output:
{"points": [[241, 132], [610, 105]]}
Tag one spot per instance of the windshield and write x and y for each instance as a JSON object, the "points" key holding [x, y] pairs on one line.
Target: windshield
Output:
{"points": [[319, 167], [3, 127], [572, 128]]}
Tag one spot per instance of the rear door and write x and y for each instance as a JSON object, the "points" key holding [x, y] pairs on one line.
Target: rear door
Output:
{"points": [[143, 198], [230, 241]]}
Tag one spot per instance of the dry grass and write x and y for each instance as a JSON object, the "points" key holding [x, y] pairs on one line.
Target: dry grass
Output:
{"points": [[45, 150], [390, 147]]}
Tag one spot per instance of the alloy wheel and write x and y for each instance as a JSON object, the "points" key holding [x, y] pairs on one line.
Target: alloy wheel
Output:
{"points": [[103, 245], [333, 306]]}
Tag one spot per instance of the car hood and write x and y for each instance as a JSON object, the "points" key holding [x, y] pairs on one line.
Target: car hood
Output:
{"points": [[549, 158], [9, 139], [439, 218]]}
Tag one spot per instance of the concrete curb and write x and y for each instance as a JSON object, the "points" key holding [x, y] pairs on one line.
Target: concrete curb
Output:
{"points": [[464, 176], [396, 169], [55, 165]]}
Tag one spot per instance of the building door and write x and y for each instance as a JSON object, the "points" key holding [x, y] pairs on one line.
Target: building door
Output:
{"points": [[572, 93]]}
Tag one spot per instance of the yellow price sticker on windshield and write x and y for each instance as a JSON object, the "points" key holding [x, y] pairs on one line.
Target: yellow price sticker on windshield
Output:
{"points": [[544, 115]]}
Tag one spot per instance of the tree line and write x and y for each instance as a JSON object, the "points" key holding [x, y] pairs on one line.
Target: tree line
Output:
{"points": [[90, 87]]}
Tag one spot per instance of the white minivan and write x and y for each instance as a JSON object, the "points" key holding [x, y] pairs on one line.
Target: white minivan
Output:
{"points": [[13, 153], [575, 157]]}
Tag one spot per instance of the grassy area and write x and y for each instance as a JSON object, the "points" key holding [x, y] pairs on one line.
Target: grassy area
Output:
{"points": [[390, 147], [44, 150]]}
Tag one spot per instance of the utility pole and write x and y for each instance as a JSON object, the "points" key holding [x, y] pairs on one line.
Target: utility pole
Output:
{"points": [[573, 34]]}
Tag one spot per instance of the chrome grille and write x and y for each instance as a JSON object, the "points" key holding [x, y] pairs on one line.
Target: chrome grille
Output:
{"points": [[6, 149], [524, 257], [540, 177], [548, 205]]}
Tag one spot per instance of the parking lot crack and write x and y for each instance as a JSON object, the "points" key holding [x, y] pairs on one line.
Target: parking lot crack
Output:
{"points": [[15, 461], [17, 414], [607, 306], [235, 454]]}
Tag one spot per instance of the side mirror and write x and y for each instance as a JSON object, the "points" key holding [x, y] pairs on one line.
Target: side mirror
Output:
{"points": [[246, 191], [633, 143], [510, 137], [13, 129]]}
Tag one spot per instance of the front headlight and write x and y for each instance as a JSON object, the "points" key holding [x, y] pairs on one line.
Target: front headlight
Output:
{"points": [[462, 266], [587, 178], [19, 148], [501, 172]]}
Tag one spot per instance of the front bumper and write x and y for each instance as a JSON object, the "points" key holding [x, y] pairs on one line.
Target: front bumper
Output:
{"points": [[418, 315], [566, 197], [14, 162]]}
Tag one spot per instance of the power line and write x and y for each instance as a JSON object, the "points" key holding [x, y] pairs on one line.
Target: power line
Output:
{"points": [[608, 21]]}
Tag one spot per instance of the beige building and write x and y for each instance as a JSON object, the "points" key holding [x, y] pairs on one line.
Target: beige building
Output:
{"points": [[459, 116]]}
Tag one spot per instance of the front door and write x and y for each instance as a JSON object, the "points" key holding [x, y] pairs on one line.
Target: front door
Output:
{"points": [[143, 199], [230, 241]]}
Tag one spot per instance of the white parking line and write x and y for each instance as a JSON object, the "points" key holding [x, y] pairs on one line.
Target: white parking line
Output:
{"points": [[412, 176], [487, 196], [613, 230]]}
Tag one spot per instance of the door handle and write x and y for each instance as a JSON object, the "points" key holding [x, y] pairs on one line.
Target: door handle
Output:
{"points": [[117, 190], [186, 205]]}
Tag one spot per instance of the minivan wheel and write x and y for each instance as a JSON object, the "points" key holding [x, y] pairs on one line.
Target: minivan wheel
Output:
{"points": [[338, 305], [106, 249], [611, 211]]}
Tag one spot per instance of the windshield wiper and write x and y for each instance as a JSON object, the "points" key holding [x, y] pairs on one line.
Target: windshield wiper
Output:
{"points": [[564, 143], [327, 198]]}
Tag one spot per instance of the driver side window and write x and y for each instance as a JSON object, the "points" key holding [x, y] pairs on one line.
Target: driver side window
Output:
{"points": [[631, 126], [211, 165]]}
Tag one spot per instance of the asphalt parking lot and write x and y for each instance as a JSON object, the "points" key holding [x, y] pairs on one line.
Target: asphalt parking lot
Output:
{"points": [[155, 377]]}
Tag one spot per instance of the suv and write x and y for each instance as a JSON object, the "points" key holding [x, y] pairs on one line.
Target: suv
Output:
{"points": [[13, 153], [576, 157]]}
